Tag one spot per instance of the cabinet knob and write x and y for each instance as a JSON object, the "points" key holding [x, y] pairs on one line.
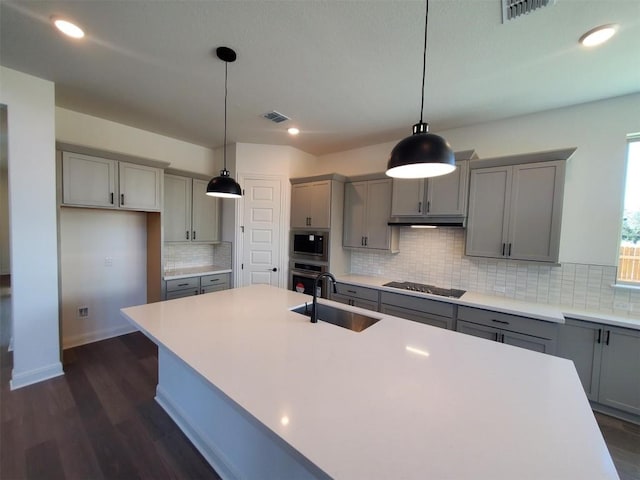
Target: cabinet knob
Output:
{"points": [[274, 269]]}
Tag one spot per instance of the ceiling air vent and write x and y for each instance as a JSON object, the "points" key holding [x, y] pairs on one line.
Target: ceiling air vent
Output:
{"points": [[515, 8], [276, 117]]}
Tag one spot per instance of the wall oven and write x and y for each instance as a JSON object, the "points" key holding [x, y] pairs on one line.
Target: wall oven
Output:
{"points": [[310, 245], [303, 276]]}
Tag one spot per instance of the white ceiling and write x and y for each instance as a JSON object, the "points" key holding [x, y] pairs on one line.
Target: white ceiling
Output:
{"points": [[348, 73]]}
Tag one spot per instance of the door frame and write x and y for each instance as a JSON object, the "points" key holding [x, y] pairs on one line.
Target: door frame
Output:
{"points": [[283, 250]]}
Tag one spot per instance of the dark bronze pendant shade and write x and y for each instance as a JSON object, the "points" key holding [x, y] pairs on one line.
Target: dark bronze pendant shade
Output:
{"points": [[224, 186], [422, 154]]}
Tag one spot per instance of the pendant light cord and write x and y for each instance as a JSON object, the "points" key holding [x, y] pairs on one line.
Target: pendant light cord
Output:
{"points": [[424, 58], [226, 65]]}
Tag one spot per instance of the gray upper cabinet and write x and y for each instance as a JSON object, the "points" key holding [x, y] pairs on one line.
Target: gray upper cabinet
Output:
{"points": [[190, 215], [367, 207], [515, 211], [443, 196], [607, 360], [140, 187], [88, 181], [311, 205], [91, 181], [408, 199]]}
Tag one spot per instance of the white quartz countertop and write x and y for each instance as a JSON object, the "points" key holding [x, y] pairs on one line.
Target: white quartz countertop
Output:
{"points": [[187, 272], [399, 400], [540, 311]]}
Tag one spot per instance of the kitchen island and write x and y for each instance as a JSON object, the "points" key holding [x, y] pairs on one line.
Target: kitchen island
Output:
{"points": [[263, 393]]}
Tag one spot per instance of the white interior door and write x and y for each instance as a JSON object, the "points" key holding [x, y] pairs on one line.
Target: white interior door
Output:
{"points": [[261, 240]]}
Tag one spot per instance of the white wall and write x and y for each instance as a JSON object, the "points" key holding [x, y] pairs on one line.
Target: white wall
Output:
{"points": [[33, 239], [595, 173], [87, 237], [80, 129], [5, 259]]}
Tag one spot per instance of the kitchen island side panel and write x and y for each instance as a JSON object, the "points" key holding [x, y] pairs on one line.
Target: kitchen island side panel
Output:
{"points": [[231, 440]]}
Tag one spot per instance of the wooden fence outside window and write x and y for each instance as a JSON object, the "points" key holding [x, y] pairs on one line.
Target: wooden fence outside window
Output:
{"points": [[629, 264]]}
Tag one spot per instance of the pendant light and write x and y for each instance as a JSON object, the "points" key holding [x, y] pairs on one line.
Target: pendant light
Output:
{"points": [[224, 186], [422, 154]]}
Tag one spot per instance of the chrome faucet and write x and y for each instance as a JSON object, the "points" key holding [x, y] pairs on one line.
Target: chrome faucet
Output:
{"points": [[314, 306]]}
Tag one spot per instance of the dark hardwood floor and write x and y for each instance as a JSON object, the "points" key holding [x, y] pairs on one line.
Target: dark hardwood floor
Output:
{"points": [[100, 421]]}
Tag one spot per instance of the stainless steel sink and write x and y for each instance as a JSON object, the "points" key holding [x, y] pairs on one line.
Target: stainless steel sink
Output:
{"points": [[342, 318]]}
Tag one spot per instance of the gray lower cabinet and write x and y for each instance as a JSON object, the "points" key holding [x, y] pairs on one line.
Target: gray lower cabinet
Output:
{"points": [[607, 360], [356, 296], [423, 310], [529, 333], [187, 287]]}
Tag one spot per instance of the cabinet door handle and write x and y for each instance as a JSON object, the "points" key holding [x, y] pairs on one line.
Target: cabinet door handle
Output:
{"points": [[196, 292], [111, 198], [202, 291], [352, 291], [497, 336], [428, 206], [504, 322], [187, 234], [362, 241], [608, 335], [503, 247], [599, 335], [509, 250], [419, 207], [122, 199], [502, 338], [183, 284], [213, 280], [194, 235], [366, 240]]}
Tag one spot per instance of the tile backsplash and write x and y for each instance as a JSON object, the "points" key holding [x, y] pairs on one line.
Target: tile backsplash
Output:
{"points": [[436, 256], [186, 255]]}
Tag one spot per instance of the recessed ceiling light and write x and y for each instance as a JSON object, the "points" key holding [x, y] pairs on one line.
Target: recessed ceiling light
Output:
{"points": [[68, 28], [293, 131], [598, 35]]}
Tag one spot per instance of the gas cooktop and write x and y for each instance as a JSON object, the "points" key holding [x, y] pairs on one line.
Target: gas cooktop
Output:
{"points": [[422, 288]]}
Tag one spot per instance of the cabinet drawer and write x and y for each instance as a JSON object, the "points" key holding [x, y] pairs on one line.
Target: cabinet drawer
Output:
{"points": [[183, 284], [214, 288], [513, 323], [216, 279], [420, 304], [421, 317], [359, 292], [182, 293]]}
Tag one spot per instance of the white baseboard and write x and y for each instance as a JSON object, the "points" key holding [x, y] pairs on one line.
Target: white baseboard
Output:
{"points": [[23, 379], [90, 337]]}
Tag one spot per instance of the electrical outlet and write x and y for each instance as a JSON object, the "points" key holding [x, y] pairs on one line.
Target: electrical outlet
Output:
{"points": [[83, 312], [108, 261]]}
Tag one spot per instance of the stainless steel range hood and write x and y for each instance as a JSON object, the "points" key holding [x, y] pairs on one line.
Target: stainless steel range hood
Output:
{"points": [[460, 222]]}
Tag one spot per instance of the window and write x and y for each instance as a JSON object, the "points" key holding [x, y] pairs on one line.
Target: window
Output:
{"points": [[629, 261]]}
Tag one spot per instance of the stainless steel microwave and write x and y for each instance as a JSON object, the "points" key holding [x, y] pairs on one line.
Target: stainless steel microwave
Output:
{"points": [[310, 245]]}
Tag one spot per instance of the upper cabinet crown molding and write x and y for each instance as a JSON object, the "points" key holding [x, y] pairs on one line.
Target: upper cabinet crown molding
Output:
{"points": [[120, 157], [318, 178], [534, 157]]}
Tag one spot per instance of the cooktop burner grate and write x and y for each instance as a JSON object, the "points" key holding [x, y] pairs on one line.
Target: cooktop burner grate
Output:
{"points": [[422, 288]]}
